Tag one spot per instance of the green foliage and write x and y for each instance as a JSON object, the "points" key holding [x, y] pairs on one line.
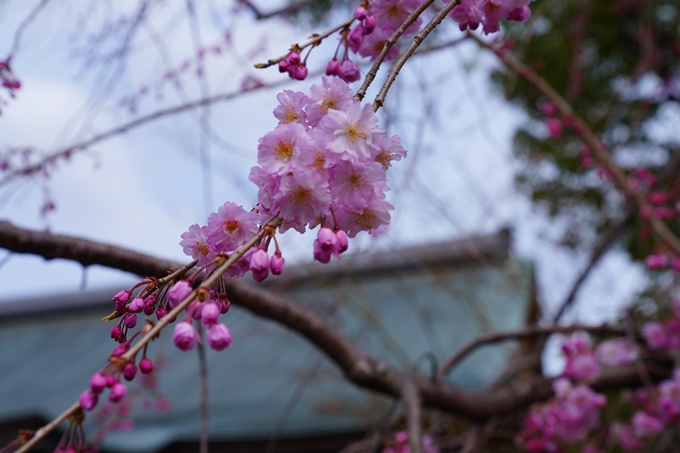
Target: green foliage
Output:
{"points": [[616, 63]]}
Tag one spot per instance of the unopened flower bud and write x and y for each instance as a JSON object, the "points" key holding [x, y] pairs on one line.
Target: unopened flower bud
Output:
{"points": [[122, 296], [121, 349], [129, 371], [355, 38], [130, 320], [283, 66], [178, 293], [136, 305], [259, 265], [333, 67], [185, 336], [320, 254], [360, 13], [369, 24], [115, 333], [117, 392], [349, 72], [160, 313], [88, 400], [293, 59], [110, 381], [145, 366], [97, 383], [149, 307], [343, 241], [299, 72], [219, 337], [276, 263], [210, 313], [327, 239]]}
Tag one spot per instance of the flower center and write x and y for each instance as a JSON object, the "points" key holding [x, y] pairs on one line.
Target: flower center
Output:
{"points": [[202, 249], [328, 103], [356, 181], [365, 219], [319, 161], [384, 158], [290, 116], [354, 132], [301, 196], [284, 150], [231, 225]]}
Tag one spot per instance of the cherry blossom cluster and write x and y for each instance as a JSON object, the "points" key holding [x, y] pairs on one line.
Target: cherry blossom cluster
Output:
{"points": [[568, 417], [469, 14], [400, 444]]}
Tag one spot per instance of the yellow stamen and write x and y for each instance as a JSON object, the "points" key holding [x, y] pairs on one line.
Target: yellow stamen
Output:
{"points": [[284, 150], [290, 116]]}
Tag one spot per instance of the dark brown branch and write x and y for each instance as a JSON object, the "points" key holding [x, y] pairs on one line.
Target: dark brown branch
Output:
{"points": [[359, 367], [528, 332]]}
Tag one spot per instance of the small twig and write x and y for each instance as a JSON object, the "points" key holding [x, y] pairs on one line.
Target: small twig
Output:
{"points": [[417, 40], [391, 41], [588, 136], [316, 39], [520, 334], [598, 252], [290, 9]]}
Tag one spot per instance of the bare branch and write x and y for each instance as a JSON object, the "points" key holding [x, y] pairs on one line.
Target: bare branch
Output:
{"points": [[85, 144], [528, 332], [598, 252], [316, 39], [391, 41], [417, 40], [290, 9]]}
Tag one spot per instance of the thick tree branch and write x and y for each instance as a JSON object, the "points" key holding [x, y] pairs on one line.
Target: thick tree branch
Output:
{"points": [[359, 367]]}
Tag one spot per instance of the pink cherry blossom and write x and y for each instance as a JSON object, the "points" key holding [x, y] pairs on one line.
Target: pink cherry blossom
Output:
{"points": [[291, 107], [219, 337], [185, 336]]}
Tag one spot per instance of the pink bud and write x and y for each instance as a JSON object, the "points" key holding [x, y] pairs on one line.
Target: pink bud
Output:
{"points": [[219, 337], [321, 255], [343, 241], [110, 381], [115, 333], [276, 263], [160, 313], [293, 59], [554, 127], [185, 336], [299, 72], [150, 304], [117, 392], [121, 349], [178, 293], [369, 24], [283, 66], [658, 261], [210, 313], [97, 383], [327, 239], [145, 366], [130, 320], [136, 305], [129, 371], [355, 38], [333, 67], [224, 306], [122, 296], [349, 72], [88, 400], [360, 13], [259, 265]]}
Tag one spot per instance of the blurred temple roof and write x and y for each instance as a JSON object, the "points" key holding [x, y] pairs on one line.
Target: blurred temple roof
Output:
{"points": [[400, 306]]}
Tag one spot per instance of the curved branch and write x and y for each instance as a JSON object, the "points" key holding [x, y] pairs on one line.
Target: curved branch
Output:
{"points": [[359, 367], [134, 124], [588, 136]]}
